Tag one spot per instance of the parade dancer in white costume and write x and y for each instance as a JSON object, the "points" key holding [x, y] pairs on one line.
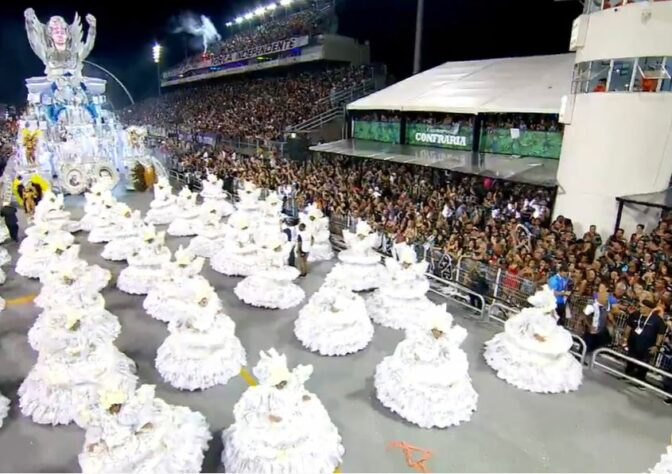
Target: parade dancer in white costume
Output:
{"points": [[35, 251], [167, 298], [104, 227], [248, 206], [146, 264], [213, 194], [4, 232], [138, 432], [239, 255], [51, 210], [334, 322], [359, 264], [280, 427], [401, 298], [533, 351], [162, 209], [426, 381], [5, 258], [211, 232], [69, 371], [202, 350], [317, 226], [272, 287], [664, 466], [70, 276], [269, 222], [128, 236], [95, 198], [186, 220], [4, 408]]}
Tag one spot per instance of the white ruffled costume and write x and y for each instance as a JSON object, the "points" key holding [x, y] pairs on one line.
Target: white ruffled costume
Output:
{"points": [[401, 299], [128, 235], [279, 426], [72, 364], [168, 298], [188, 215], [100, 192], [133, 431], [104, 225], [51, 210], [334, 322], [248, 206], [269, 222], [272, 287], [426, 381], [36, 249], [317, 226], [162, 209], [359, 264], [202, 349], [533, 351], [664, 466], [146, 265], [239, 256], [211, 231], [4, 408], [213, 194]]}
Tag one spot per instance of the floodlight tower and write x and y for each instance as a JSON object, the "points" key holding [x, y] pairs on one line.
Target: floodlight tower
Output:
{"points": [[156, 55], [618, 117]]}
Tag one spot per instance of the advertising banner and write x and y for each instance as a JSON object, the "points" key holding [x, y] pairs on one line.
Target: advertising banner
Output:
{"points": [[388, 132], [514, 141], [455, 136]]}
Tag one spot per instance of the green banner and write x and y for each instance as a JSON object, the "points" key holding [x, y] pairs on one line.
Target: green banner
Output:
{"points": [[456, 136], [388, 132], [521, 142]]}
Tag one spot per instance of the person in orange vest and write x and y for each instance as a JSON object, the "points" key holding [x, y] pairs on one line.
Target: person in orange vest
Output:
{"points": [[601, 86]]}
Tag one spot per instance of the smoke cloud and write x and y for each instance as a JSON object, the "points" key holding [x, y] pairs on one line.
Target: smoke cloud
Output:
{"points": [[199, 26]]}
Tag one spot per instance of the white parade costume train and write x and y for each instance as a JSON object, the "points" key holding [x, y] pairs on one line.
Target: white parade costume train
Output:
{"points": [[128, 235], [186, 220], [134, 431], [426, 381], [162, 209], [211, 232], [401, 298], [664, 466], [213, 194], [146, 264], [51, 210], [533, 351], [334, 322], [359, 264], [272, 287], [202, 350], [317, 226], [169, 297], [279, 426], [239, 255]]}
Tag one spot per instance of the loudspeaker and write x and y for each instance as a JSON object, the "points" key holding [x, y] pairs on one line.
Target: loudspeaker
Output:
{"points": [[297, 148]]}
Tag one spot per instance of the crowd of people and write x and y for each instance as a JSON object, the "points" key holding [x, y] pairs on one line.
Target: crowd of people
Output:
{"points": [[305, 22], [250, 108], [8, 132], [534, 122]]}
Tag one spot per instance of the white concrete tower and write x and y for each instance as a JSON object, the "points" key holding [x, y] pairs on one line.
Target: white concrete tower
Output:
{"points": [[617, 142]]}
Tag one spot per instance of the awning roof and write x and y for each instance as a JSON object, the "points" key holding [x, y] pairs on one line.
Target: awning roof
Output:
{"points": [[537, 171], [661, 199], [533, 84]]}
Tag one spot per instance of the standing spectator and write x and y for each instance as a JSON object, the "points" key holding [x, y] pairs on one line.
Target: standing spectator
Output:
{"points": [[643, 337], [301, 250], [12, 223], [597, 319], [559, 284]]}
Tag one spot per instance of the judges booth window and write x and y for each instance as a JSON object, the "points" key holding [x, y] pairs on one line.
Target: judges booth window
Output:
{"points": [[441, 130], [649, 74]]}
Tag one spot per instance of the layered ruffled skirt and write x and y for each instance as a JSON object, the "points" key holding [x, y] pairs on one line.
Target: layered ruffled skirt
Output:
{"points": [[265, 291]]}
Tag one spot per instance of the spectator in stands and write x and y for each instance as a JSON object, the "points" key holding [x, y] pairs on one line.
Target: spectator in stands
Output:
{"points": [[601, 86], [597, 319], [559, 284], [643, 337]]}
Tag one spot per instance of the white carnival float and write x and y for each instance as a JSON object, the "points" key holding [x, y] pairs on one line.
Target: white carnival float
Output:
{"points": [[533, 351]]}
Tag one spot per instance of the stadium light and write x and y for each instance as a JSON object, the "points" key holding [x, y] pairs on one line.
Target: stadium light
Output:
{"points": [[286, 3], [260, 11], [271, 7], [156, 53], [239, 20], [229, 24], [248, 16]]}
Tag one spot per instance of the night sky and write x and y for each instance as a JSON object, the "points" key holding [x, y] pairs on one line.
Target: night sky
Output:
{"points": [[453, 30]]}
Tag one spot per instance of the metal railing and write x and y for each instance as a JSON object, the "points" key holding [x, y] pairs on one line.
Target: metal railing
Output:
{"points": [[614, 356]]}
